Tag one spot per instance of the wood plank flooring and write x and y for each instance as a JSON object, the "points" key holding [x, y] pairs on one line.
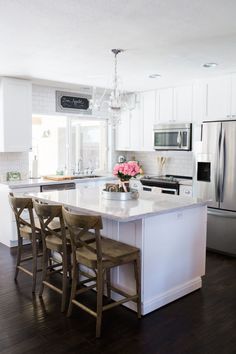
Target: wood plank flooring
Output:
{"points": [[203, 322]]}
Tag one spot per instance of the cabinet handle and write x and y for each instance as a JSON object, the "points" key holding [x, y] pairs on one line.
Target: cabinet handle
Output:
{"points": [[228, 116], [234, 115]]}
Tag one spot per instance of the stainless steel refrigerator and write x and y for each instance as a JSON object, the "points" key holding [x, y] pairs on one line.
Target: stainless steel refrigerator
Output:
{"points": [[216, 182]]}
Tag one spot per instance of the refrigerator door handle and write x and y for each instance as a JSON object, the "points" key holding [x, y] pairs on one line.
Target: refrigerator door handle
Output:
{"points": [[223, 165], [217, 168]]}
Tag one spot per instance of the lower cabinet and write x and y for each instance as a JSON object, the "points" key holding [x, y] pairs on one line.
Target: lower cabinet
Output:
{"points": [[8, 230]]}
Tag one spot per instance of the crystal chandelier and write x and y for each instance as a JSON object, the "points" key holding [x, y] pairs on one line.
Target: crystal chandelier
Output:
{"points": [[117, 101]]}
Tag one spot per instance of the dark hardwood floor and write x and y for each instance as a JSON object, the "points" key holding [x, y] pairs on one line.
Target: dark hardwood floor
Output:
{"points": [[203, 322]]}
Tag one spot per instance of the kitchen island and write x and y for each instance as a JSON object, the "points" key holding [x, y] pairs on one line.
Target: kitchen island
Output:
{"points": [[169, 230]]}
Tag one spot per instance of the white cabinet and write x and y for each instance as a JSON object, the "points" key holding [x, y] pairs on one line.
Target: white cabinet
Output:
{"points": [[15, 115], [123, 132], [233, 96], [165, 105], [8, 230], [135, 130], [148, 103], [175, 104], [218, 98], [136, 126], [183, 103]]}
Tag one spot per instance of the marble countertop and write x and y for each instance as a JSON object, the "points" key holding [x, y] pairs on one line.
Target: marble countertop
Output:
{"points": [[41, 181], [88, 199]]}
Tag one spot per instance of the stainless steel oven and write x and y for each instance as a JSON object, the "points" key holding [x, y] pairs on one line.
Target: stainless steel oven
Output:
{"points": [[173, 136], [159, 190], [160, 184]]}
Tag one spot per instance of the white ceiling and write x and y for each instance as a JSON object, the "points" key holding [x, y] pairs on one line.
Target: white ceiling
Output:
{"points": [[70, 40]]}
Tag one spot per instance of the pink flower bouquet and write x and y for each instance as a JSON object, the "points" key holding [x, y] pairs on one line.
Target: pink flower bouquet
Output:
{"points": [[126, 170]]}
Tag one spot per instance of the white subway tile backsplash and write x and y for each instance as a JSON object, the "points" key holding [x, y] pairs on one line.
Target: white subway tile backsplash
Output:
{"points": [[14, 161], [176, 162]]}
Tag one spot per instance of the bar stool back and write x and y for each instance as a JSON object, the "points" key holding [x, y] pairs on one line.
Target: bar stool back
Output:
{"points": [[26, 230], [53, 240]]}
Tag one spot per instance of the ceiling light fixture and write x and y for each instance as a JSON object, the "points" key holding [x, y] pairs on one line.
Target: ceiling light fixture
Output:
{"points": [[209, 65], [118, 100], [154, 76]]}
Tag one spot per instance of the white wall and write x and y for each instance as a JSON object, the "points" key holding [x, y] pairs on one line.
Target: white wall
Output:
{"points": [[177, 162]]}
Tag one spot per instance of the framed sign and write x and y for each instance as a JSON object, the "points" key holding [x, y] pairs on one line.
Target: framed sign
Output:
{"points": [[70, 102]]}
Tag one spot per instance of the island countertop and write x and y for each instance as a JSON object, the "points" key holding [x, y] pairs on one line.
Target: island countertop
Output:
{"points": [[89, 199]]}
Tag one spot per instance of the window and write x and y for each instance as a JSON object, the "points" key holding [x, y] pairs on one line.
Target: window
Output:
{"points": [[66, 145]]}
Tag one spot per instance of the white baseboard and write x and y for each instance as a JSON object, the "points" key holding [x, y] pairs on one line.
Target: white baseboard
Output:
{"points": [[164, 298]]}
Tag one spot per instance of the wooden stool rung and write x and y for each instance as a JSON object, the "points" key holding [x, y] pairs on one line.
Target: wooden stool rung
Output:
{"points": [[109, 306], [85, 308]]}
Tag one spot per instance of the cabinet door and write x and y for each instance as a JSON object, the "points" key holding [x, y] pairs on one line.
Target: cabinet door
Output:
{"points": [[165, 105], [218, 98], [16, 119], [183, 104], [136, 126], [123, 132], [148, 113], [233, 97]]}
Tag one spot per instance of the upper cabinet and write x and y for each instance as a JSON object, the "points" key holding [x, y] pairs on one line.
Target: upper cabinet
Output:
{"points": [[174, 104], [128, 131], [183, 103], [165, 105], [233, 96], [15, 115], [218, 98], [123, 132], [148, 113]]}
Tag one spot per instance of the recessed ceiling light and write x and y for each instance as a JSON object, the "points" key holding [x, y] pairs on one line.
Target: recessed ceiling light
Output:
{"points": [[154, 76], [209, 65]]}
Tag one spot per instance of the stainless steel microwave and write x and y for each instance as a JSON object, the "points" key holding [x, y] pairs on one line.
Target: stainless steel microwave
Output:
{"points": [[173, 136]]}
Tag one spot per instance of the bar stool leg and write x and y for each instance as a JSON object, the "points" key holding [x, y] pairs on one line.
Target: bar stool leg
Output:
{"points": [[99, 300], [34, 270], [44, 270], [137, 272], [73, 287], [64, 282], [108, 282], [19, 251]]}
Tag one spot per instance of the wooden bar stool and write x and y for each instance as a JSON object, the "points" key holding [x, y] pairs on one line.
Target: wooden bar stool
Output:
{"points": [[100, 255], [53, 240], [26, 230]]}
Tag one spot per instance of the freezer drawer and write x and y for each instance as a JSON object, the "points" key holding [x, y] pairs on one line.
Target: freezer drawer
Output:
{"points": [[221, 231]]}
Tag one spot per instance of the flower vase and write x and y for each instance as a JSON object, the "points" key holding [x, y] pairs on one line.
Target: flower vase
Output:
{"points": [[124, 186]]}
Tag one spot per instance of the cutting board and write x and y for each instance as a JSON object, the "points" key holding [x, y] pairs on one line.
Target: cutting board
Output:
{"points": [[58, 178]]}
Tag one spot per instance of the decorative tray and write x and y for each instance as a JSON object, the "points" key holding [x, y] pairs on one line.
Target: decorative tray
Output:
{"points": [[121, 196]]}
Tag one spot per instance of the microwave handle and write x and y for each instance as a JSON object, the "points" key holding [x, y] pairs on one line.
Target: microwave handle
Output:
{"points": [[179, 139]]}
